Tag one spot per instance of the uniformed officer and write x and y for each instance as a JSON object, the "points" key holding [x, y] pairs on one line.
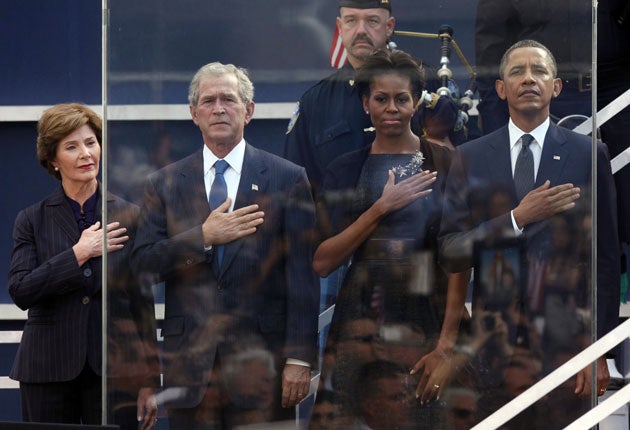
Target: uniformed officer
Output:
{"points": [[331, 110]]}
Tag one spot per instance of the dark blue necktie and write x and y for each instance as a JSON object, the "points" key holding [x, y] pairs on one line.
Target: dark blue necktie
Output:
{"points": [[524, 169], [218, 194]]}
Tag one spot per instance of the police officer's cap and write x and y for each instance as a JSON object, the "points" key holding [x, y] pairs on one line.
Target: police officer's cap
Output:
{"points": [[366, 4]]}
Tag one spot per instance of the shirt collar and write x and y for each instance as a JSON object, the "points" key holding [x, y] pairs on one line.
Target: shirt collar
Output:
{"points": [[538, 133], [87, 213], [234, 158]]}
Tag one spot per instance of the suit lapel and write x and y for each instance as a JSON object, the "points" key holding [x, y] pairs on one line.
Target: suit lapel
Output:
{"points": [[252, 185], [190, 183], [61, 214], [499, 162], [554, 157], [552, 161]]}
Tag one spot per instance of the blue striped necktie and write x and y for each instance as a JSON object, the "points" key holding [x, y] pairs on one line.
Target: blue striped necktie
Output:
{"points": [[218, 194]]}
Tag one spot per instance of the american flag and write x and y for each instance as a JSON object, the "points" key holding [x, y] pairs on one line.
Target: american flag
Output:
{"points": [[337, 51]]}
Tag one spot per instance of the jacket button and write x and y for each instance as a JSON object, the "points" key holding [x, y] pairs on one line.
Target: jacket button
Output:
{"points": [[189, 262], [87, 272], [219, 287], [85, 300]]}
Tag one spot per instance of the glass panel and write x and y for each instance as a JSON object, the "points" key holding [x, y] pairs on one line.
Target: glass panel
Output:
{"points": [[225, 334], [49, 305]]}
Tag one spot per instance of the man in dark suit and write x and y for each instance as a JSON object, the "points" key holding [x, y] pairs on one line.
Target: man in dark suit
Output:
{"points": [[237, 271], [546, 178]]}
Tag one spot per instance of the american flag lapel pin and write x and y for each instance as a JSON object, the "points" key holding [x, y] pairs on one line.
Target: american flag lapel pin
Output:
{"points": [[556, 157], [254, 187]]}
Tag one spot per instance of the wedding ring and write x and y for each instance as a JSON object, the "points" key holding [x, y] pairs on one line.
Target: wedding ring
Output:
{"points": [[436, 386]]}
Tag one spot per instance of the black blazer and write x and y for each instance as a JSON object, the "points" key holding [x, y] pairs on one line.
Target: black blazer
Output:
{"points": [[266, 287], [484, 167], [63, 299]]}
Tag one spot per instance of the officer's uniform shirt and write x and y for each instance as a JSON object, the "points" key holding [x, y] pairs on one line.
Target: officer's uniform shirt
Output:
{"points": [[329, 121]]}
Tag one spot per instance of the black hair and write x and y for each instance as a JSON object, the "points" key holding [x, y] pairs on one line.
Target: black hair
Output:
{"points": [[385, 61]]}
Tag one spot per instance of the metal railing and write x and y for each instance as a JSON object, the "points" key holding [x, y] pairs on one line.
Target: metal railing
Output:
{"points": [[561, 374]]}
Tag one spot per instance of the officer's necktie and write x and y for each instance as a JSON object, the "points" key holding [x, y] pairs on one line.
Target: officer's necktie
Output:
{"points": [[218, 194], [524, 169]]}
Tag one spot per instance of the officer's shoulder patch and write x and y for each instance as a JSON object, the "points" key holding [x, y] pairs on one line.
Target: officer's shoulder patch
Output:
{"points": [[294, 118]]}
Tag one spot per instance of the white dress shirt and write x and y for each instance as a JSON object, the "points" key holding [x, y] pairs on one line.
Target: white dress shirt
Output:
{"points": [[233, 173]]}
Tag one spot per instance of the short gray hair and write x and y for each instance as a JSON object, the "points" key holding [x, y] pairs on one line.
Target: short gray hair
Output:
{"points": [[216, 70]]}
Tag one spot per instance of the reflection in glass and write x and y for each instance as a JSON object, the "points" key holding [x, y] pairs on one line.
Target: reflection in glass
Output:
{"points": [[392, 305]]}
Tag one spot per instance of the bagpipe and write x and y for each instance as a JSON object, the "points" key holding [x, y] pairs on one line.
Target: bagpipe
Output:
{"points": [[445, 110]]}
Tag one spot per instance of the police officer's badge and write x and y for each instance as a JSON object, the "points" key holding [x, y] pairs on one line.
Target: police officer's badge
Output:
{"points": [[294, 118]]}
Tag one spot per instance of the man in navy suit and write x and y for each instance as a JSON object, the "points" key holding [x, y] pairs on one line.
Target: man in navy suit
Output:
{"points": [[240, 291], [558, 165]]}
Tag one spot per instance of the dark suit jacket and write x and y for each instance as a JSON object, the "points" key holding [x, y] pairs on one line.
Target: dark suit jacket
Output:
{"points": [[266, 288], [63, 299], [483, 168]]}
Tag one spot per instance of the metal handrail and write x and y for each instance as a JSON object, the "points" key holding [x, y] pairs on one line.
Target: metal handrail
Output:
{"points": [[557, 377]]}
